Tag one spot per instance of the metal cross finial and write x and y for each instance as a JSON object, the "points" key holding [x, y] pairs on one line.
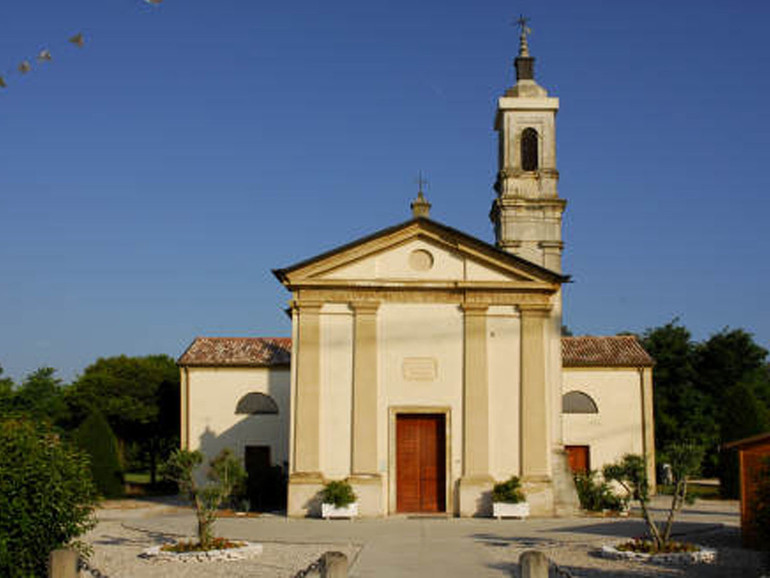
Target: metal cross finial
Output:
{"points": [[421, 181], [525, 30]]}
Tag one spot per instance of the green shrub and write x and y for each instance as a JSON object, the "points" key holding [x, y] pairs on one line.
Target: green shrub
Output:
{"points": [[47, 497], [596, 495], [95, 437], [509, 491], [339, 493]]}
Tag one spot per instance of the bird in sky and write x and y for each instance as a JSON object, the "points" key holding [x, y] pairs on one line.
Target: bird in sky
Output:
{"points": [[78, 40]]}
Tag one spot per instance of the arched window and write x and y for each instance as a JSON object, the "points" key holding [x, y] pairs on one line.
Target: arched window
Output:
{"points": [[529, 159], [578, 402], [256, 404]]}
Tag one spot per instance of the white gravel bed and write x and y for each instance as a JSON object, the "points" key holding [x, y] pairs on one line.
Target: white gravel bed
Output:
{"points": [[117, 547]]}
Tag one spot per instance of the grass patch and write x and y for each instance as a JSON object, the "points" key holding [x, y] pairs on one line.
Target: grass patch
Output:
{"points": [[216, 544], [641, 546], [137, 477], [700, 491]]}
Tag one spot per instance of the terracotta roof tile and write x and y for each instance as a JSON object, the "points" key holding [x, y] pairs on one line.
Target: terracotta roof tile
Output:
{"points": [[237, 352], [583, 351], [614, 351]]}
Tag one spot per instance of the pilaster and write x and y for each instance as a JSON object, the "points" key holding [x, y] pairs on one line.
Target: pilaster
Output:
{"points": [[536, 454], [307, 416], [364, 419], [476, 481], [648, 424], [535, 423]]}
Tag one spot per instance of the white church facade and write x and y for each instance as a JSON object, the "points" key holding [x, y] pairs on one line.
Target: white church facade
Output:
{"points": [[425, 365]]}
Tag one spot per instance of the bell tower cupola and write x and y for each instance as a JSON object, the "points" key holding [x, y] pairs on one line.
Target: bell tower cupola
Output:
{"points": [[527, 210]]}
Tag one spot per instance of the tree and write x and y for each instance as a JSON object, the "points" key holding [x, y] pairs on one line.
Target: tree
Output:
{"points": [[225, 474], [6, 393], [139, 396], [41, 397], [732, 372], [682, 412], [47, 496], [631, 474], [742, 415], [95, 437]]}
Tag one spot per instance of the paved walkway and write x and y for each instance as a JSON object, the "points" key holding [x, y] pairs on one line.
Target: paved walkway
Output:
{"points": [[407, 546]]}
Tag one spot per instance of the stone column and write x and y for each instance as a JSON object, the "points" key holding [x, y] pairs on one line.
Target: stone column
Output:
{"points": [[476, 479], [535, 425], [364, 434], [307, 418]]}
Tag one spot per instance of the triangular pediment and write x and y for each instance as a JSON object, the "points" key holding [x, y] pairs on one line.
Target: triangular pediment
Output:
{"points": [[419, 252]]}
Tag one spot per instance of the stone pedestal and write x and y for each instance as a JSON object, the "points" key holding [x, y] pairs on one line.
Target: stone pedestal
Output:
{"points": [[540, 495], [475, 496], [304, 498], [370, 490]]}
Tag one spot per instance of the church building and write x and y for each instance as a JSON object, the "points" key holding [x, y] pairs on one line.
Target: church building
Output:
{"points": [[425, 365]]}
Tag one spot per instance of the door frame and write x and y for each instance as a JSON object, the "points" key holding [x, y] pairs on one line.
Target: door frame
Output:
{"points": [[393, 413]]}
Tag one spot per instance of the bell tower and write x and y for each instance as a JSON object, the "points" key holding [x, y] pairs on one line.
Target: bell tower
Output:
{"points": [[527, 211]]}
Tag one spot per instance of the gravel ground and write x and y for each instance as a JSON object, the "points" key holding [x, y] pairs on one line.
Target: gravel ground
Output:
{"points": [[117, 546]]}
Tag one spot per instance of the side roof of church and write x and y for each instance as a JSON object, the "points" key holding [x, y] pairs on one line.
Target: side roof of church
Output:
{"points": [[581, 351]]}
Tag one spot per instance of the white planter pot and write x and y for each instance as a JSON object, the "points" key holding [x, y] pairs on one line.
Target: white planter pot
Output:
{"points": [[506, 510], [330, 511]]}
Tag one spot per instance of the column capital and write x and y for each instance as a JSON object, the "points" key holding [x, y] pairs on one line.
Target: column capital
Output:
{"points": [[305, 305], [474, 308], [534, 309], [365, 307]]}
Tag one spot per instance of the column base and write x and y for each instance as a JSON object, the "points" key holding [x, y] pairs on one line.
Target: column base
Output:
{"points": [[370, 490], [540, 495], [475, 496], [304, 499]]}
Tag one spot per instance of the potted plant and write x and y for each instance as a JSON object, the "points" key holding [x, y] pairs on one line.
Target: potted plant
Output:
{"points": [[339, 500], [508, 499]]}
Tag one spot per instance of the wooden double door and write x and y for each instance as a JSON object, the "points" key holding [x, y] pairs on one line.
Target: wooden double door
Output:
{"points": [[579, 458], [421, 463]]}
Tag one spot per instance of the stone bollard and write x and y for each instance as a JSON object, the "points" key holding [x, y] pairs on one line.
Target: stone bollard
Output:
{"points": [[63, 563], [533, 564], [335, 565]]}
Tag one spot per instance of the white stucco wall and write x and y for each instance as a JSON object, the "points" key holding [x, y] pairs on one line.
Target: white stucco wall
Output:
{"points": [[214, 425], [617, 428]]}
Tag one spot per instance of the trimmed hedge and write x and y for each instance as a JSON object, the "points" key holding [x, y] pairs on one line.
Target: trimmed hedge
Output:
{"points": [[95, 437]]}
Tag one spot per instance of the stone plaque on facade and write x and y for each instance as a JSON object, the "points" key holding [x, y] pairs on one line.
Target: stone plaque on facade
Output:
{"points": [[420, 368]]}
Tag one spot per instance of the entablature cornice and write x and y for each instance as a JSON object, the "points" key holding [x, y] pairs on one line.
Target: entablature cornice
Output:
{"points": [[423, 285], [530, 300]]}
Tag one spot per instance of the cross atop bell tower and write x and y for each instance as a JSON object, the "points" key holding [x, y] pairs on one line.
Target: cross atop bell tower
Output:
{"points": [[527, 212]]}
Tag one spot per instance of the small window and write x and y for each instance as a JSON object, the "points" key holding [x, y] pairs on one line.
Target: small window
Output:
{"points": [[256, 404], [529, 157], [578, 402]]}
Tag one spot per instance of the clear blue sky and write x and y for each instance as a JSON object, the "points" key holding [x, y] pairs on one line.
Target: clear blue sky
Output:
{"points": [[150, 181]]}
